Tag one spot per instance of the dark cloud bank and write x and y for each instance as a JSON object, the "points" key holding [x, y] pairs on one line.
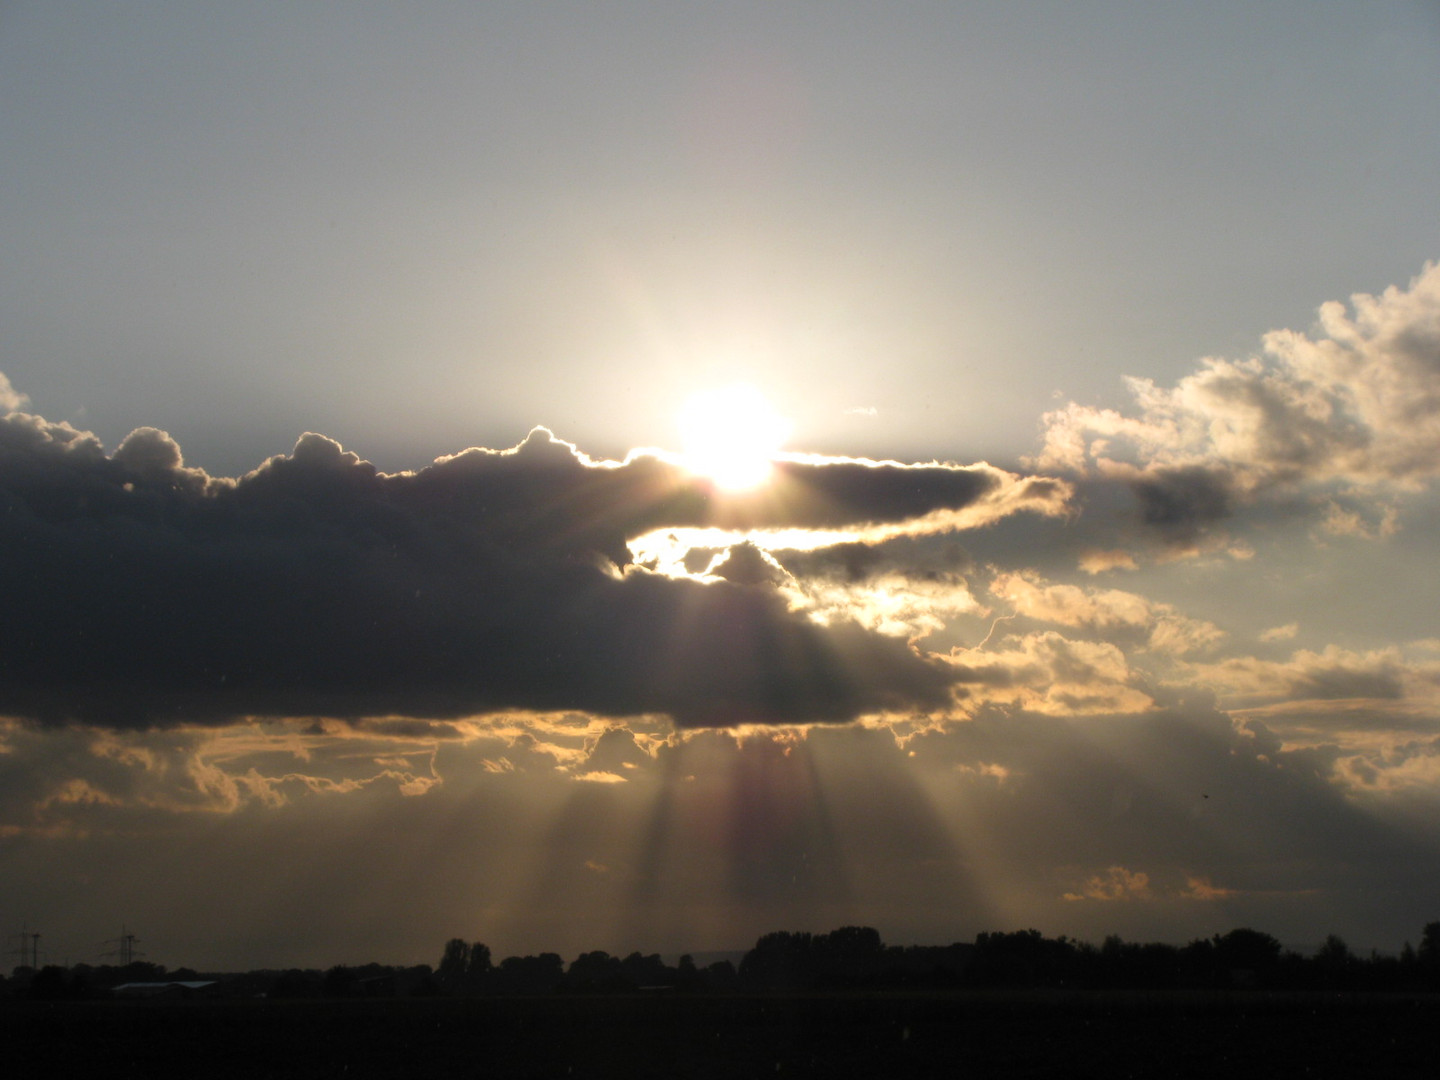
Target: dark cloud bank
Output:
{"points": [[141, 592]]}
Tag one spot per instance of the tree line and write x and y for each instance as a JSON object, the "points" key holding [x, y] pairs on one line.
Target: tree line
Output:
{"points": [[855, 957], [849, 958]]}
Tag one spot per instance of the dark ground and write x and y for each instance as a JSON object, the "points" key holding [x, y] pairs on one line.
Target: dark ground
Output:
{"points": [[1024, 1034]]}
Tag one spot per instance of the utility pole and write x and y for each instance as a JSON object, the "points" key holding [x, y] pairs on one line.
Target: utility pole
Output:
{"points": [[124, 950], [27, 950]]}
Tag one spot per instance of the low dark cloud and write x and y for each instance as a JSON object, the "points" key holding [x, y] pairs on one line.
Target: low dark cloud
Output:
{"points": [[921, 558], [146, 593], [1181, 504]]}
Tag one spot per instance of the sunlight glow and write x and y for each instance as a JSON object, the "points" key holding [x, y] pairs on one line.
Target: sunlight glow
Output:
{"points": [[731, 435]]}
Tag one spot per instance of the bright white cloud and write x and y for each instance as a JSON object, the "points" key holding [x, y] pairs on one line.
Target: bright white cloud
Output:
{"points": [[10, 398], [1356, 404]]}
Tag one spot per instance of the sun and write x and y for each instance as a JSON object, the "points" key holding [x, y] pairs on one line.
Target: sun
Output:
{"points": [[731, 436]]}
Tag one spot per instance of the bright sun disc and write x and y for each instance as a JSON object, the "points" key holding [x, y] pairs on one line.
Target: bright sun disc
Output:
{"points": [[731, 435]]}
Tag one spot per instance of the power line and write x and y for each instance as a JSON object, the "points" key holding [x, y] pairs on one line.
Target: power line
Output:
{"points": [[124, 949], [27, 949]]}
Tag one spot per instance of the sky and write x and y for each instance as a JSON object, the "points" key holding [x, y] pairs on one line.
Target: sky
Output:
{"points": [[638, 476]]}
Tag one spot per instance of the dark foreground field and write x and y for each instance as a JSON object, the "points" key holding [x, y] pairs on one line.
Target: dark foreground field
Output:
{"points": [[887, 1035]]}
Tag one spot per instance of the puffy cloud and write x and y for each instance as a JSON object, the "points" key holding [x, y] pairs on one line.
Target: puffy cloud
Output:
{"points": [[1203, 889], [1409, 769], [1099, 562], [11, 399], [615, 753], [1381, 367], [1009, 810], [1049, 673], [497, 649], [1116, 883], [1181, 503], [746, 564], [1356, 406], [1179, 635], [31, 445], [152, 593], [80, 780], [904, 586], [1365, 519], [1105, 610], [1364, 716], [1070, 605]]}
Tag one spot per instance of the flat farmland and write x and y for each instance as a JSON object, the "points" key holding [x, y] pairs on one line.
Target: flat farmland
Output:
{"points": [[1022, 1034]]}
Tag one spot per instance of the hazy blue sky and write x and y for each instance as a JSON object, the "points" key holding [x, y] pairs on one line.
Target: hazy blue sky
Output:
{"points": [[422, 228], [1166, 665]]}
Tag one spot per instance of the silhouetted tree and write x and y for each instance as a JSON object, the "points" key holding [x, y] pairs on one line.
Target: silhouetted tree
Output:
{"points": [[638, 970], [779, 961], [541, 974], [1428, 954], [848, 956], [1337, 967], [1245, 956], [1022, 958], [1427, 957], [454, 963], [721, 976], [1335, 953], [1118, 963], [687, 975], [1197, 963], [477, 967], [928, 965], [339, 981], [596, 970], [49, 984], [856, 956], [20, 978], [296, 984]]}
